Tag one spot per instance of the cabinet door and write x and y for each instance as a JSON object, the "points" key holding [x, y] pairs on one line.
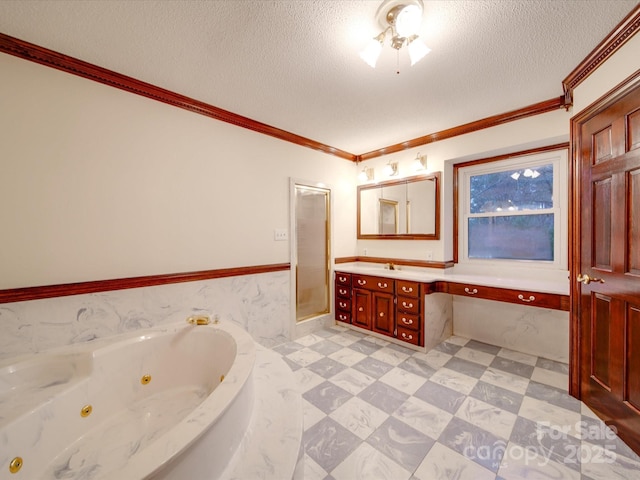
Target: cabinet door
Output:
{"points": [[361, 315], [383, 313]]}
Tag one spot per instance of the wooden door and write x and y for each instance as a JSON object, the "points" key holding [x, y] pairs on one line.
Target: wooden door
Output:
{"points": [[606, 262], [361, 314], [383, 313]]}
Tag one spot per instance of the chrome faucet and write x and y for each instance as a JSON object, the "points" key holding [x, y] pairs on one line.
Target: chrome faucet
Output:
{"points": [[198, 320]]}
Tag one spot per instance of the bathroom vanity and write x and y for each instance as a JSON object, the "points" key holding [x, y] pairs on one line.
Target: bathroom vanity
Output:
{"points": [[415, 306]]}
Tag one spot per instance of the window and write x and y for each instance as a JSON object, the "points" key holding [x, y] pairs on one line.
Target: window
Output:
{"points": [[512, 211]]}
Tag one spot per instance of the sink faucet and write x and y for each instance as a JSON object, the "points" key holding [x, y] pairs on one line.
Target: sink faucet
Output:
{"points": [[199, 320], [391, 266]]}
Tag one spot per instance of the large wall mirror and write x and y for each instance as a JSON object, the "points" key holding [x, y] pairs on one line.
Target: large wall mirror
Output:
{"points": [[405, 209]]}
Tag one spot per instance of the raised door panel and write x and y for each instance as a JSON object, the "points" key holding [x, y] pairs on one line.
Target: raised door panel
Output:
{"points": [[633, 200], [601, 224], [601, 339], [383, 313], [632, 367], [361, 310], [633, 129]]}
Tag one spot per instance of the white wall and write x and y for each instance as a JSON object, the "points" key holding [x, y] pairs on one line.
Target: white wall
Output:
{"points": [[98, 183], [545, 129]]}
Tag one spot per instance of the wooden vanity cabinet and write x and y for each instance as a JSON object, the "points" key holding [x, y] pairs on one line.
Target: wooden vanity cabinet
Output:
{"points": [[343, 297], [383, 318], [379, 304], [521, 297], [409, 312], [373, 304]]}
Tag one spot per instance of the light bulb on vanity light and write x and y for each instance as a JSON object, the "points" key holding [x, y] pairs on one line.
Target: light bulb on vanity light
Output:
{"points": [[367, 174], [420, 162], [391, 169]]}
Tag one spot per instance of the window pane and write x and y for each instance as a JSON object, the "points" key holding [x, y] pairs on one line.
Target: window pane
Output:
{"points": [[512, 190], [521, 237]]}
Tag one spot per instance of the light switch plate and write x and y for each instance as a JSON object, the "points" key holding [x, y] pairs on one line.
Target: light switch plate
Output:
{"points": [[280, 234]]}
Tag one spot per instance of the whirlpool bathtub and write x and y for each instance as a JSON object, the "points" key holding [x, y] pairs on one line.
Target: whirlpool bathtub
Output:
{"points": [[171, 402]]}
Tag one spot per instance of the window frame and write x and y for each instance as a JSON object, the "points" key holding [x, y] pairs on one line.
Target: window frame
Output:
{"points": [[556, 156]]}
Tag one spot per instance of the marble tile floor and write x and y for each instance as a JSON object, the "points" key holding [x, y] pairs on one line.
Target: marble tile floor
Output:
{"points": [[465, 410]]}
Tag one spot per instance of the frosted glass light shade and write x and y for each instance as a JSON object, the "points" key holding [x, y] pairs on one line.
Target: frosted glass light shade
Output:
{"points": [[408, 20], [371, 52], [417, 50]]}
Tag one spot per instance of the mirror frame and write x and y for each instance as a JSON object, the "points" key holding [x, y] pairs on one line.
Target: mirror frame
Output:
{"points": [[403, 236]]}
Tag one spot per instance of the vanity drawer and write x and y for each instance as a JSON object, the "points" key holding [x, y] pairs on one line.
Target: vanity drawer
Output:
{"points": [[378, 284], [344, 292], [343, 316], [343, 304], [521, 297], [409, 336], [408, 321], [407, 288], [409, 305], [343, 279]]}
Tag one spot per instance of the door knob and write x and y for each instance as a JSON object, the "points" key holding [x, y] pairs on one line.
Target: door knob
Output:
{"points": [[586, 279]]}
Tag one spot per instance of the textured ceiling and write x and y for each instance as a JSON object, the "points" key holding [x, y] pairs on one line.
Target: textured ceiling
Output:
{"points": [[294, 64]]}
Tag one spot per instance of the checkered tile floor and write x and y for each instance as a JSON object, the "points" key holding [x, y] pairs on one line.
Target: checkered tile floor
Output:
{"points": [[464, 410]]}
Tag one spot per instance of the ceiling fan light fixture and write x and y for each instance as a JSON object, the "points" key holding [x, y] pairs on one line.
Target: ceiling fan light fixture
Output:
{"points": [[417, 49], [372, 51], [408, 20], [402, 18]]}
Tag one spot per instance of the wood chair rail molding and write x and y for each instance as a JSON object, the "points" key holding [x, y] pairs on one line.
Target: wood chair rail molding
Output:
{"points": [[63, 290]]}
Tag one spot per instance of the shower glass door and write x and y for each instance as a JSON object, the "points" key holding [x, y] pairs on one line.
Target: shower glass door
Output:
{"points": [[312, 251]]}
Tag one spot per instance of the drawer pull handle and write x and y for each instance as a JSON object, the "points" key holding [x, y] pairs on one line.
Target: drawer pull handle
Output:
{"points": [[407, 321], [381, 314], [407, 337], [342, 291], [362, 282], [470, 292], [343, 304], [407, 305], [342, 317], [407, 289], [361, 309], [528, 300], [382, 285], [342, 279]]}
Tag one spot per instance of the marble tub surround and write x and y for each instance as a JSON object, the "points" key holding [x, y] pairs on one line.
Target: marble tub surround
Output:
{"points": [[272, 446], [465, 409], [537, 331], [258, 303], [152, 397]]}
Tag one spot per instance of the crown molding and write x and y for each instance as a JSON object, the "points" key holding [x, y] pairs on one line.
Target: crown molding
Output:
{"points": [[626, 29], [28, 51], [50, 58], [493, 121]]}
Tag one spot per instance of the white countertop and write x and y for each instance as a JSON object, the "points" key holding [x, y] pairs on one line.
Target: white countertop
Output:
{"points": [[427, 275]]}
